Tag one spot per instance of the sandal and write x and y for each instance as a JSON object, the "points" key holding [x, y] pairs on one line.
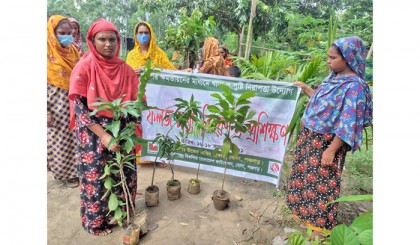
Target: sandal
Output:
{"points": [[102, 233], [72, 182]]}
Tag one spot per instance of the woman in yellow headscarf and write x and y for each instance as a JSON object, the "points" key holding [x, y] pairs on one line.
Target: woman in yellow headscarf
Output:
{"points": [[213, 62], [145, 47], [61, 58]]}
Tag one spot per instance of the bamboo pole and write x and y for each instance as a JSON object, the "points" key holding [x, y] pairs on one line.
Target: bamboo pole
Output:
{"points": [[249, 36]]}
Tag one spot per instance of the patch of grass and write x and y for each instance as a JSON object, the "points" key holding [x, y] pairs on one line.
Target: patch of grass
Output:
{"points": [[359, 168]]}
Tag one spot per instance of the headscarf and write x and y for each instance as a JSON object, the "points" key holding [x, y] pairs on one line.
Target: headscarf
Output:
{"points": [[77, 41], [95, 76], [213, 62], [60, 61], [354, 52], [343, 105], [135, 58], [228, 62]]}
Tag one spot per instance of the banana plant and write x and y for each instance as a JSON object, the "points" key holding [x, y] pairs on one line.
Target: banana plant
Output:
{"points": [[304, 73]]}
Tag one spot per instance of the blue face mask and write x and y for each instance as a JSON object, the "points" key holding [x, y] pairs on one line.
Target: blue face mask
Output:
{"points": [[143, 38], [65, 40]]}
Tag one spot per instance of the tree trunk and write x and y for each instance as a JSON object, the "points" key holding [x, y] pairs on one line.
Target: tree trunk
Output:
{"points": [[249, 36], [241, 40], [369, 54]]}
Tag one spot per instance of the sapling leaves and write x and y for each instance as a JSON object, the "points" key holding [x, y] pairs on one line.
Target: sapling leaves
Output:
{"points": [[118, 213], [115, 128], [113, 202], [108, 182]]}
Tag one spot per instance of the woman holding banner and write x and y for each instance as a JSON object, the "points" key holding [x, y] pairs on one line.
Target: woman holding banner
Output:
{"points": [[332, 124], [145, 47]]}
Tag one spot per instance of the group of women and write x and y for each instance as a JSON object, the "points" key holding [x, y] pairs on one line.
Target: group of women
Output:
{"points": [[332, 124]]}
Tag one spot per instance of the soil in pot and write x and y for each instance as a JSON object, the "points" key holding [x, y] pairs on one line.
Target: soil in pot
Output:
{"points": [[194, 186], [173, 188], [131, 235], [152, 196], [220, 199], [141, 220]]}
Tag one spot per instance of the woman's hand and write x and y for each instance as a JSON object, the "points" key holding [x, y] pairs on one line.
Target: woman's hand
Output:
{"points": [[305, 88], [139, 70], [327, 159], [187, 70], [302, 85], [50, 120], [106, 139]]}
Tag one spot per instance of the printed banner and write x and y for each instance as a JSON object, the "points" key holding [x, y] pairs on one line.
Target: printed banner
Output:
{"points": [[262, 148]]}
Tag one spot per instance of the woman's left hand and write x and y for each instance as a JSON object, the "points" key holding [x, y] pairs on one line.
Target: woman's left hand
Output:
{"points": [[327, 159], [139, 70]]}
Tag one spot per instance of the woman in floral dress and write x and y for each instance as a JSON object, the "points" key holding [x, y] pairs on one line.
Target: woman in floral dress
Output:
{"points": [[101, 73], [331, 125]]}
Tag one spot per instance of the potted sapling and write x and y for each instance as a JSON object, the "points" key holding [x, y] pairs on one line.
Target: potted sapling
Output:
{"points": [[115, 178], [185, 114], [203, 129], [231, 115]]}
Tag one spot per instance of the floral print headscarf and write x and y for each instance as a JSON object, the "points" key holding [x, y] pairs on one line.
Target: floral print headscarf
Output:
{"points": [[354, 51], [343, 105]]}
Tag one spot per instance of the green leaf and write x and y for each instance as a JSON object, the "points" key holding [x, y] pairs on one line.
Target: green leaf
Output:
{"points": [[363, 222], [230, 98], [246, 95], [134, 112], [213, 109], [128, 146], [250, 115], [118, 157], [366, 237], [118, 213], [243, 102], [115, 171], [115, 128], [107, 170], [343, 235], [108, 183], [224, 105], [225, 88], [113, 202], [353, 198], [225, 147], [217, 96], [235, 150], [111, 142]]}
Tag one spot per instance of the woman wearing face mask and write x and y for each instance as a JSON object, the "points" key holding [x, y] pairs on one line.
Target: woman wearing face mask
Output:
{"points": [[61, 58], [145, 47], [101, 73]]}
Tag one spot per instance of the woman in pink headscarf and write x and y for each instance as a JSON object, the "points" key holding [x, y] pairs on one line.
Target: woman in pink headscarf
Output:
{"points": [[101, 73], [77, 36]]}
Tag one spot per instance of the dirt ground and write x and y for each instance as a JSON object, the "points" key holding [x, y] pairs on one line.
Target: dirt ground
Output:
{"points": [[189, 220]]}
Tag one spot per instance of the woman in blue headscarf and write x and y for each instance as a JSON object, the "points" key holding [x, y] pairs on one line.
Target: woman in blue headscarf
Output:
{"points": [[332, 124]]}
